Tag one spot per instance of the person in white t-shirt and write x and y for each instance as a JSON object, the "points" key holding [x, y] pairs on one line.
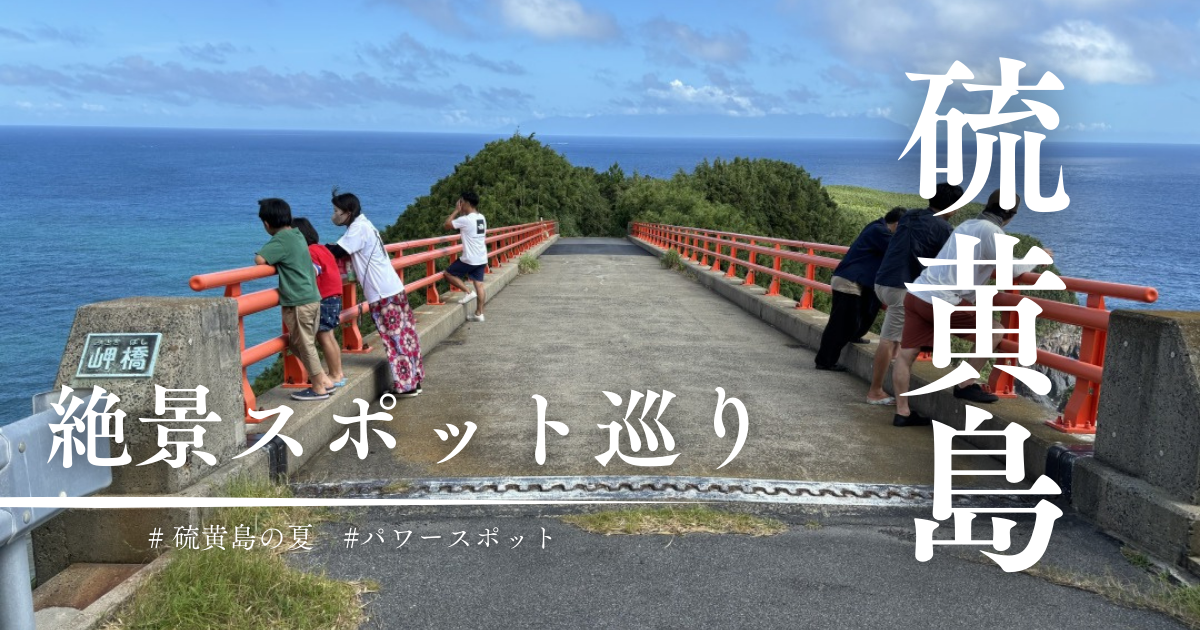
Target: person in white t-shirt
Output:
{"points": [[384, 292], [472, 264], [919, 327]]}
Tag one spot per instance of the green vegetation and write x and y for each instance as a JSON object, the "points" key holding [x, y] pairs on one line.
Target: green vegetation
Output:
{"points": [[528, 263], [674, 521], [234, 589], [1161, 595], [519, 180], [672, 260], [1137, 558]]}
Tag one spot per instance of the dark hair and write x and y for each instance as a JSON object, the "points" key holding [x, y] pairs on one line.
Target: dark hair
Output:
{"points": [[945, 196], [347, 203], [893, 215], [471, 198], [993, 206], [306, 228], [275, 212]]}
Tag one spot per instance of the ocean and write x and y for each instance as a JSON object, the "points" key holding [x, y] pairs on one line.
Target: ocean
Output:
{"points": [[93, 214]]}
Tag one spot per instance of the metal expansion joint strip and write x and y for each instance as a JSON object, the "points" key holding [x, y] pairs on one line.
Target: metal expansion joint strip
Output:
{"points": [[628, 488]]}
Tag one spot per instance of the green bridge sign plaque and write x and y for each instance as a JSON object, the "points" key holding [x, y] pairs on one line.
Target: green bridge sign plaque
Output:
{"points": [[119, 355]]}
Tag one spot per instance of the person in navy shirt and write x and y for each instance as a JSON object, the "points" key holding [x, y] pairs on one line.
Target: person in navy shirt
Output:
{"points": [[855, 304], [920, 234]]}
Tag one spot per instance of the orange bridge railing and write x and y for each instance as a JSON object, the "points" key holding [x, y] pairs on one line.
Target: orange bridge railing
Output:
{"points": [[710, 248], [504, 244]]}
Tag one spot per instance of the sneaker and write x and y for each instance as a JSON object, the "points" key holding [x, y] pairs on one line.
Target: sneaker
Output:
{"points": [[914, 419], [309, 394], [890, 400], [474, 318], [832, 368], [467, 298], [974, 393], [337, 384]]}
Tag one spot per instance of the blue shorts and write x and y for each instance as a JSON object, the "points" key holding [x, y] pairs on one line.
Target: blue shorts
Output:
{"points": [[463, 270], [331, 312]]}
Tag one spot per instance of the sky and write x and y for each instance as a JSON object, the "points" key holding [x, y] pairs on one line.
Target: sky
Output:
{"points": [[1130, 69]]}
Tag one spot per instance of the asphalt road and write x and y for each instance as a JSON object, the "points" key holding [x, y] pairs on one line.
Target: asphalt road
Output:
{"points": [[828, 570]]}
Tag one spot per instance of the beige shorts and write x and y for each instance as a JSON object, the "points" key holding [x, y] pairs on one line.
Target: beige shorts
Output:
{"points": [[893, 318], [301, 322]]}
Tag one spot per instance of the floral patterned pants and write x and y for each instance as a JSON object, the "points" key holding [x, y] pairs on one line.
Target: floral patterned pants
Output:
{"points": [[394, 320]]}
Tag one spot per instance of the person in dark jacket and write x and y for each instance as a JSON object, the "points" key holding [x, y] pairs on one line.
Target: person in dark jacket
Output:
{"points": [[855, 304], [920, 234]]}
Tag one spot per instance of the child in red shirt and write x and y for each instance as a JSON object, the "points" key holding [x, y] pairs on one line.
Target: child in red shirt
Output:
{"points": [[329, 285]]}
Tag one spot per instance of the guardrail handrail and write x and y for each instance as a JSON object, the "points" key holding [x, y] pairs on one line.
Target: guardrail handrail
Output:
{"points": [[503, 244], [1079, 415]]}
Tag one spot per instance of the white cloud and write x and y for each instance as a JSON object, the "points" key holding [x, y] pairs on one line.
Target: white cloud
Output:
{"points": [[1096, 126], [24, 104], [879, 112], [1092, 53], [557, 19], [707, 98], [441, 14], [672, 42], [93, 107], [256, 87]]}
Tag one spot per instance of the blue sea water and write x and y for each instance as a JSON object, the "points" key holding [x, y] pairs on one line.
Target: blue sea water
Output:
{"points": [[92, 214]]}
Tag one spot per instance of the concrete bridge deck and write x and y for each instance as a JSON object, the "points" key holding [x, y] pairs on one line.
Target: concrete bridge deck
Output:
{"points": [[603, 315]]}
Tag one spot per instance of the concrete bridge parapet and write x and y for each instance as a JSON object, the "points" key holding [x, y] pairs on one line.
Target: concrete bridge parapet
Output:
{"points": [[1144, 482]]}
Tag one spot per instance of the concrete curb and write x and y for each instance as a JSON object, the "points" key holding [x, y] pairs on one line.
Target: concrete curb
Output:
{"points": [[99, 611], [807, 326], [1134, 510]]}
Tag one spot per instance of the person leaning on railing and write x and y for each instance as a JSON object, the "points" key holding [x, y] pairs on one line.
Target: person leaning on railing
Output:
{"points": [[920, 234], [383, 291], [855, 304], [299, 300], [918, 305]]}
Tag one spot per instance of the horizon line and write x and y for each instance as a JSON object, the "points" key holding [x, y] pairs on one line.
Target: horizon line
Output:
{"points": [[517, 132]]}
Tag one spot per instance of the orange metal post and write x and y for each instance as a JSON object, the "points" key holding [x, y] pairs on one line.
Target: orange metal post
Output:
{"points": [[294, 374], [352, 338], [732, 254], [1001, 383], [250, 400], [431, 292], [806, 301], [716, 266], [752, 258], [774, 288], [1079, 416]]}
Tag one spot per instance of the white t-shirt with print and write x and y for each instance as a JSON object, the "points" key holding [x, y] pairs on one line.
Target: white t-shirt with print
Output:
{"points": [[473, 228], [947, 275], [371, 263]]}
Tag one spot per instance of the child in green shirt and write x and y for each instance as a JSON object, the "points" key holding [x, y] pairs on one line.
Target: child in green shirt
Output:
{"points": [[298, 296]]}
